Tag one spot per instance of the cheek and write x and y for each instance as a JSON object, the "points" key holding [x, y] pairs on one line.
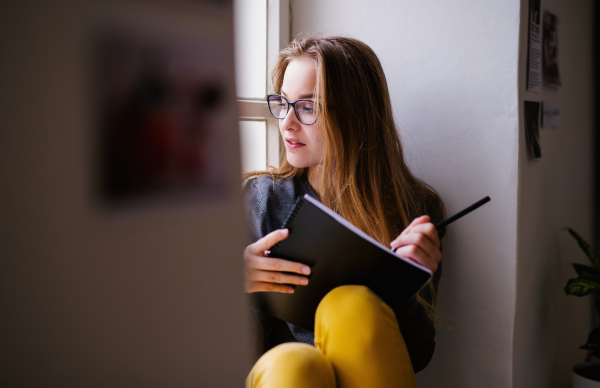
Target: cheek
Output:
{"points": [[319, 138]]}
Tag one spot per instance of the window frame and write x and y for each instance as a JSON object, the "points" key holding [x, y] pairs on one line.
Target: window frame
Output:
{"points": [[255, 109]]}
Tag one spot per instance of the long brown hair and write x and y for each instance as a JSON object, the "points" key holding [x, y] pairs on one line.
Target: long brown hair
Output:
{"points": [[365, 178]]}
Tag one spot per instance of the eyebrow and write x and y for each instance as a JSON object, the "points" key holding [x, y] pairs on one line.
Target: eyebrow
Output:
{"points": [[302, 97]]}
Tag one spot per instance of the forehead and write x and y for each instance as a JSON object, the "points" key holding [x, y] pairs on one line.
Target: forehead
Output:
{"points": [[300, 78]]}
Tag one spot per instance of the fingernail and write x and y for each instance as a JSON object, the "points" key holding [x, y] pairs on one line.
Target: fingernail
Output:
{"points": [[304, 281], [284, 231], [290, 290], [306, 270]]}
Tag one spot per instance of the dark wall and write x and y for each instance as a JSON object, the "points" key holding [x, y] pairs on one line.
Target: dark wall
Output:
{"points": [[597, 131]]}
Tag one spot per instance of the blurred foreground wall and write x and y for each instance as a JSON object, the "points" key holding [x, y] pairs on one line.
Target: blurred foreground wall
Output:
{"points": [[119, 259]]}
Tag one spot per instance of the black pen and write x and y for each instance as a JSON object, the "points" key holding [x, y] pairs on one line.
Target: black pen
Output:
{"points": [[461, 213]]}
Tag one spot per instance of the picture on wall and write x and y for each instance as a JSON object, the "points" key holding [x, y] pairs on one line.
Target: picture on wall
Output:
{"points": [[161, 103], [531, 113], [551, 114], [550, 49]]}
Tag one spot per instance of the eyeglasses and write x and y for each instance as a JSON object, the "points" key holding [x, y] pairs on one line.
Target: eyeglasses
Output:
{"points": [[304, 109]]}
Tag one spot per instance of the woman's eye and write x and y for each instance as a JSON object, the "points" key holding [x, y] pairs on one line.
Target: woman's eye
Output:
{"points": [[307, 109]]}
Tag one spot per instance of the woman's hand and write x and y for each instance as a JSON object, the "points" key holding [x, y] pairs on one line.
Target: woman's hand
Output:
{"points": [[420, 243], [267, 273]]}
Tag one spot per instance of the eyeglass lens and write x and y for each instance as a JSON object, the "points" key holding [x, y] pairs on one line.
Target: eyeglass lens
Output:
{"points": [[305, 111]]}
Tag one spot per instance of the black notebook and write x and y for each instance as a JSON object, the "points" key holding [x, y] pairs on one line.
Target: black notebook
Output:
{"points": [[339, 254]]}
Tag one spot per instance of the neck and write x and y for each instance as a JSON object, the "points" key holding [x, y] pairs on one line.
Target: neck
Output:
{"points": [[314, 177]]}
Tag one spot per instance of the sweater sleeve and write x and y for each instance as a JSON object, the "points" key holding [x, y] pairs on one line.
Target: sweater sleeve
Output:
{"points": [[255, 207], [268, 331]]}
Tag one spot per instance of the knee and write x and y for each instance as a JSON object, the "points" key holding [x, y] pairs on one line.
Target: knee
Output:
{"points": [[342, 293], [292, 362], [354, 308], [347, 302], [303, 357]]}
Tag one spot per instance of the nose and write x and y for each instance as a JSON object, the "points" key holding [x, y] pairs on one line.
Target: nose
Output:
{"points": [[290, 122]]}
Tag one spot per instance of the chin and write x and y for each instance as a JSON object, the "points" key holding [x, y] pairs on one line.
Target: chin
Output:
{"points": [[299, 163]]}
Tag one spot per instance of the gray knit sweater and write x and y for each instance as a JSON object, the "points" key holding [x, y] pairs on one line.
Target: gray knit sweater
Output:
{"points": [[268, 203]]}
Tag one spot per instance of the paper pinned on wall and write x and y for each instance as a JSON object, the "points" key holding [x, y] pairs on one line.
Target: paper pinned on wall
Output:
{"points": [[534, 52], [531, 113], [551, 114], [550, 49]]}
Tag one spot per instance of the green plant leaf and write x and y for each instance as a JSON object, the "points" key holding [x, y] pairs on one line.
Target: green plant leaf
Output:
{"points": [[587, 248], [582, 286], [586, 271]]}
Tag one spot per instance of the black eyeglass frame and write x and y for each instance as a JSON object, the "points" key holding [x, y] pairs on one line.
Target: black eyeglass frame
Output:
{"points": [[290, 104]]}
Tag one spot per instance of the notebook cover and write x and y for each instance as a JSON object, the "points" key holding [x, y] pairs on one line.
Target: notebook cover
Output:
{"points": [[338, 254]]}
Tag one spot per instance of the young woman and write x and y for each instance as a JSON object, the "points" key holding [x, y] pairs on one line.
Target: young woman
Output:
{"points": [[342, 147]]}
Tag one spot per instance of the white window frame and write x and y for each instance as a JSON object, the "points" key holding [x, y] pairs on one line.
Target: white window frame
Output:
{"points": [[278, 37]]}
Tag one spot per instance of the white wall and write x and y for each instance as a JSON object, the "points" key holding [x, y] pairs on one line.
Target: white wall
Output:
{"points": [[90, 297], [452, 69], [555, 192]]}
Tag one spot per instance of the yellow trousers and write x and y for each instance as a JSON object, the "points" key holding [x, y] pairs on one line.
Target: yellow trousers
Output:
{"points": [[357, 344]]}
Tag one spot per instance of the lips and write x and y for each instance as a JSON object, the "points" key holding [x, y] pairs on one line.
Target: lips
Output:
{"points": [[291, 142]]}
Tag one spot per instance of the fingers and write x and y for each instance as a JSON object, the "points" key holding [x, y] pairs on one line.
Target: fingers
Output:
{"points": [[429, 260], [423, 220], [269, 240], [268, 273], [258, 280], [418, 239], [274, 264], [420, 225], [277, 277], [420, 243], [426, 232], [268, 287]]}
